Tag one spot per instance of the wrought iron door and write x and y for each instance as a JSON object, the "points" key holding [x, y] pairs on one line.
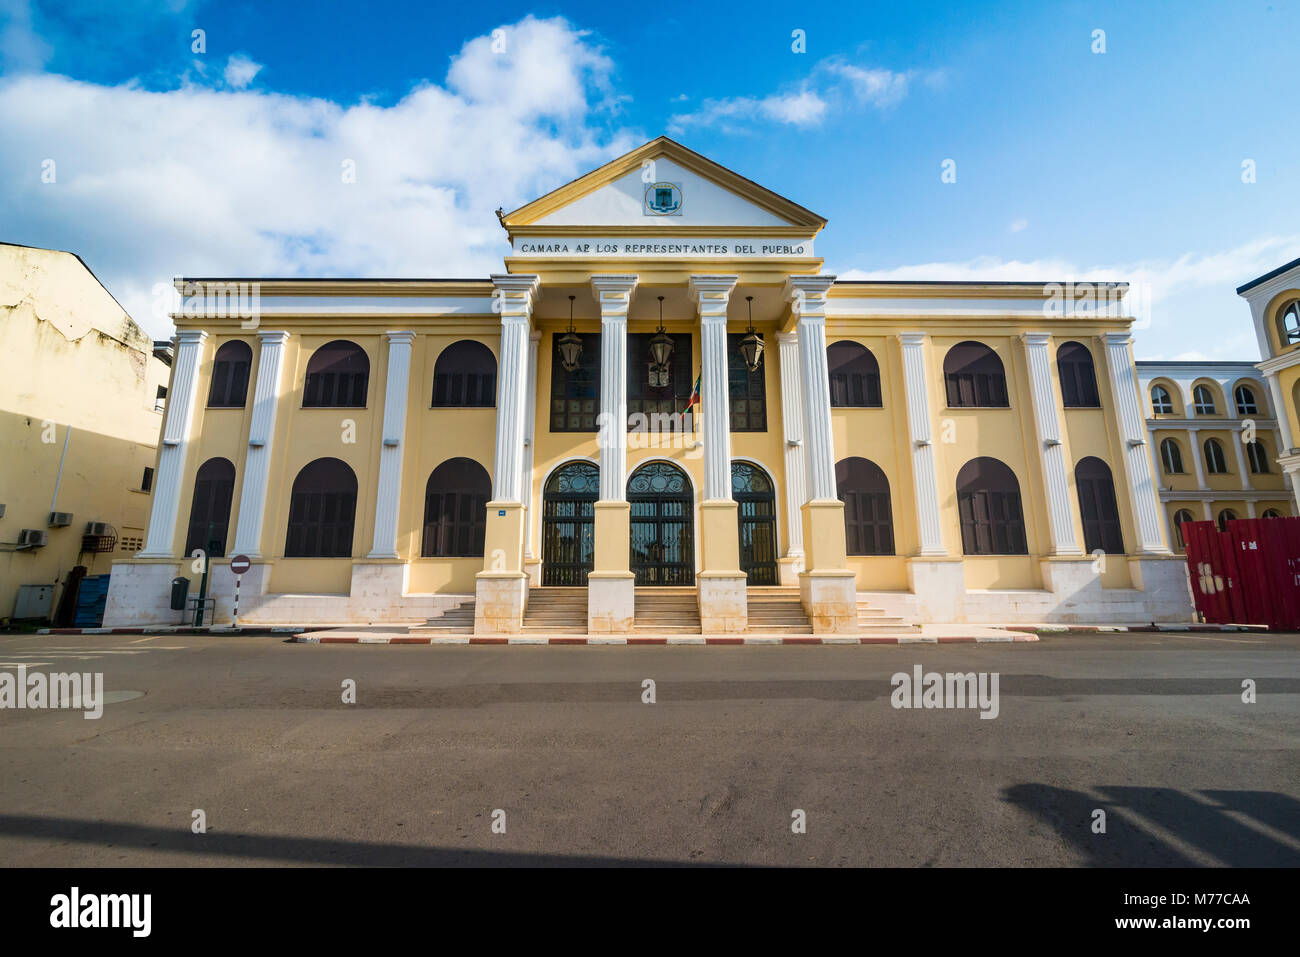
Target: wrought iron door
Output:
{"points": [[756, 501], [568, 524], [663, 525]]}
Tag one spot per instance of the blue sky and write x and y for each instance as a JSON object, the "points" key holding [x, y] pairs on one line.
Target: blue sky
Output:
{"points": [[1125, 164]]}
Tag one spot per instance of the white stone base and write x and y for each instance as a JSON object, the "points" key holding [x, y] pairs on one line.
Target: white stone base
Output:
{"points": [[788, 569], [830, 601], [1072, 595], [140, 594], [611, 603], [724, 606], [499, 602]]}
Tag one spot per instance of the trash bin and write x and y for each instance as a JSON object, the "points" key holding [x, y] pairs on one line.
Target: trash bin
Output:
{"points": [[180, 591]]}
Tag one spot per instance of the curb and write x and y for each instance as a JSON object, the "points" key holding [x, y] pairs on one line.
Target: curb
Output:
{"points": [[684, 640], [178, 630], [1152, 628]]}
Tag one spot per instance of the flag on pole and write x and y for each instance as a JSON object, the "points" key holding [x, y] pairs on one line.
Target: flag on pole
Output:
{"points": [[695, 394]]}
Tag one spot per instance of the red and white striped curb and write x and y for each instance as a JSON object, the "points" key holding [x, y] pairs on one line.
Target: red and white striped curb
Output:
{"points": [[1100, 629], [180, 630], [683, 640]]}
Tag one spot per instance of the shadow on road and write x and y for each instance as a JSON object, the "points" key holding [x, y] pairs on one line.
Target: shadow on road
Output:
{"points": [[1161, 827]]}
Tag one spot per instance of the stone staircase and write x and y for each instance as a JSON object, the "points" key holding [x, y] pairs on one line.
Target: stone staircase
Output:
{"points": [[874, 621], [666, 611], [556, 611], [457, 620], [776, 611]]}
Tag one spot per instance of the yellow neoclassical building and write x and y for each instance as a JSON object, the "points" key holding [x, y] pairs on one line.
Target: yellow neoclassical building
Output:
{"points": [[662, 415], [1274, 300]]}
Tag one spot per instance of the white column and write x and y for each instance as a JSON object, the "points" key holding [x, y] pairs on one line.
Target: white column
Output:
{"points": [[713, 294], [175, 445], [1279, 413], [388, 499], [261, 432], [808, 298], [1137, 461], [1250, 509], [1198, 463], [792, 429], [614, 296], [1294, 476], [1244, 472], [515, 293], [1207, 510], [1052, 452], [924, 476], [530, 415]]}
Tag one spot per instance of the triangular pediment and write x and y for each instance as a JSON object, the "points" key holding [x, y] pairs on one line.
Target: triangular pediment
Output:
{"points": [[664, 186]]}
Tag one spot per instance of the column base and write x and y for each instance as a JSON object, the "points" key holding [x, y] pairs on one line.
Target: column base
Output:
{"points": [[499, 600], [611, 603], [723, 601], [788, 569], [830, 600]]}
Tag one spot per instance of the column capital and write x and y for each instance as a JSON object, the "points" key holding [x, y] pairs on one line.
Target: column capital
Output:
{"points": [[519, 292], [614, 287], [809, 286], [701, 286], [1117, 338], [790, 338], [400, 335], [1037, 338], [273, 337], [190, 336], [913, 338]]}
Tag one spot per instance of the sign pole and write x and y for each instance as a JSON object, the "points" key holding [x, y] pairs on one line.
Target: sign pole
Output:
{"points": [[238, 565]]}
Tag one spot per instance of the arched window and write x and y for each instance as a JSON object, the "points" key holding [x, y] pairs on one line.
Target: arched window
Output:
{"points": [[1288, 323], [337, 375], [1162, 403], [868, 518], [854, 376], [1226, 516], [455, 510], [229, 388], [465, 376], [975, 377], [1258, 458], [1203, 399], [1078, 378], [322, 507], [1181, 518], [1097, 507], [1245, 398], [1272, 513], [988, 500], [1215, 463], [214, 486], [1171, 456]]}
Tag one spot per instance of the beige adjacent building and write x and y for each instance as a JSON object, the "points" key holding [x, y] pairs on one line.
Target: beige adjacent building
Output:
{"points": [[82, 396]]}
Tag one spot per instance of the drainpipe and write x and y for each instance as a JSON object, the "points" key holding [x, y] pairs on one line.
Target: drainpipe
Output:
{"points": [[58, 479]]}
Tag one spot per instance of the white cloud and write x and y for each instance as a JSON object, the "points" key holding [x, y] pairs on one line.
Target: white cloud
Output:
{"points": [[876, 87], [1191, 300], [202, 181], [832, 85], [240, 71], [1018, 225]]}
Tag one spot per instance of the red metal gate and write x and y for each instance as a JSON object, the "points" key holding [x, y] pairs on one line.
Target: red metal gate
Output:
{"points": [[1248, 574]]}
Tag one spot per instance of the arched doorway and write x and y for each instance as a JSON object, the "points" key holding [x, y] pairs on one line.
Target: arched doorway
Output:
{"points": [[662, 537], [755, 495], [568, 524]]}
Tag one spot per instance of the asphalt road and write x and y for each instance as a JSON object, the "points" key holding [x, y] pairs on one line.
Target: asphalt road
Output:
{"points": [[1151, 729]]}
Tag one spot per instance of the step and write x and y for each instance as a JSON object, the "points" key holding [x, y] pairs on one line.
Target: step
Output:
{"points": [[804, 629]]}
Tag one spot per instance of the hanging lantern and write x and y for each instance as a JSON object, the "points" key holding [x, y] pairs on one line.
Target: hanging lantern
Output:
{"points": [[570, 343], [751, 347], [661, 346]]}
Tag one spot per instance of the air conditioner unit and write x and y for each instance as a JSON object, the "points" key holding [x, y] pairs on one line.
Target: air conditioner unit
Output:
{"points": [[59, 519], [32, 537], [99, 529]]}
